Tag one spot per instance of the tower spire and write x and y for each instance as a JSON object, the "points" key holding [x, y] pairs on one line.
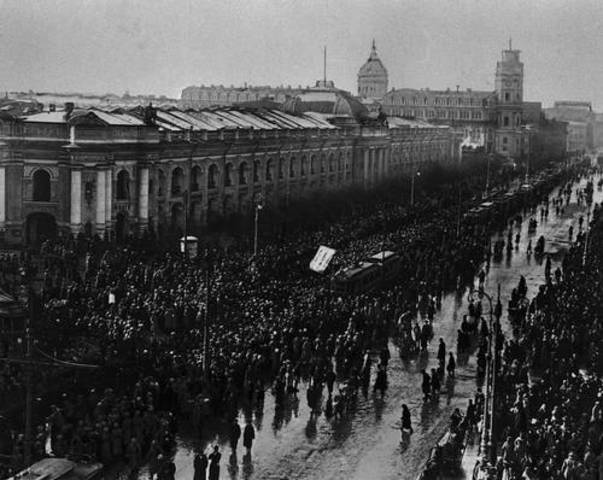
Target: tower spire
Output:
{"points": [[324, 69], [374, 47]]}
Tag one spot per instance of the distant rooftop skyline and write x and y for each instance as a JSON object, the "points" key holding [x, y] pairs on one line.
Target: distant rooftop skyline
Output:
{"points": [[162, 46]]}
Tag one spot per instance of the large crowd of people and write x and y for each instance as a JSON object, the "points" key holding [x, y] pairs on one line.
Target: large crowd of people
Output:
{"points": [[211, 334], [548, 401]]}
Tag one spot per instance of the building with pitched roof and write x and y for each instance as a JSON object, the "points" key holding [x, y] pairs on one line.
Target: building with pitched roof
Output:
{"points": [[122, 171]]}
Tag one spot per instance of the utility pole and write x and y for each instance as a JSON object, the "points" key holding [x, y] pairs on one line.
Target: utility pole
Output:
{"points": [[325, 66], [185, 244], [206, 313], [412, 186], [256, 218], [488, 174], [28, 381], [458, 216]]}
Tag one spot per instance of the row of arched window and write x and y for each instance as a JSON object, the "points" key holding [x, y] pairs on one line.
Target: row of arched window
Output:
{"points": [[247, 173], [241, 176]]}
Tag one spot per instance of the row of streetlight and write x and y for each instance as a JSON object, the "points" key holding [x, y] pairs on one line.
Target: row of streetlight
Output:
{"points": [[487, 449]]}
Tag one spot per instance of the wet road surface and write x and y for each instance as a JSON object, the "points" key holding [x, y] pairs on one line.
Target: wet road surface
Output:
{"points": [[366, 443]]}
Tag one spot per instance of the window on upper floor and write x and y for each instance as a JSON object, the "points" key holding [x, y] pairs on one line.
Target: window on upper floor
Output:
{"points": [[123, 186], [507, 96], [41, 186]]}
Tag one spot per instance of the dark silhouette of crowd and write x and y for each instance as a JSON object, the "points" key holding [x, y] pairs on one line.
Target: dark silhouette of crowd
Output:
{"points": [[142, 315], [549, 393]]}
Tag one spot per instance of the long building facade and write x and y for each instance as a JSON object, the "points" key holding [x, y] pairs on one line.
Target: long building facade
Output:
{"points": [[119, 173]]}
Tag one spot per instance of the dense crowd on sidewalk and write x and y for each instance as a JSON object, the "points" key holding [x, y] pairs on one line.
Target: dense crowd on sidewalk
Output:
{"points": [[549, 393]]}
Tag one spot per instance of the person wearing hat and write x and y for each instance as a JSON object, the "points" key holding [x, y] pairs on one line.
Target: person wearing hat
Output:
{"points": [[235, 434], [200, 463], [248, 436], [214, 464]]}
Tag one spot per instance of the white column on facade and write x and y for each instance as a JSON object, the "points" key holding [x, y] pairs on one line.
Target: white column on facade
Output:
{"points": [[373, 165], [366, 166], [101, 203], [76, 200], [2, 196], [143, 198], [108, 197]]}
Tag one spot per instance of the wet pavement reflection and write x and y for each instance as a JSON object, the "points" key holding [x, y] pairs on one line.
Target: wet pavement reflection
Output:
{"points": [[291, 443]]}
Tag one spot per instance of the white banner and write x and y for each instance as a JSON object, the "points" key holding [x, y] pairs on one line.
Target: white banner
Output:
{"points": [[321, 260]]}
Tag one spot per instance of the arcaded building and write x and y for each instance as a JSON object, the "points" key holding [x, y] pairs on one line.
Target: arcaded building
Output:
{"points": [[121, 172]]}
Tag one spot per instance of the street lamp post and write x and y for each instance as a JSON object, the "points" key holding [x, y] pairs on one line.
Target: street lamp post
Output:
{"points": [[488, 174], [185, 244], [255, 229], [458, 214], [486, 446], [28, 379], [412, 186], [206, 312], [586, 236]]}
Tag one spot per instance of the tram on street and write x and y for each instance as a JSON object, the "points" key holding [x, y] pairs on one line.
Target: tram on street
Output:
{"points": [[372, 272]]}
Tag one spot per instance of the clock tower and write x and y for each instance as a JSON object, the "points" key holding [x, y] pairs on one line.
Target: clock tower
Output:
{"points": [[509, 90]]}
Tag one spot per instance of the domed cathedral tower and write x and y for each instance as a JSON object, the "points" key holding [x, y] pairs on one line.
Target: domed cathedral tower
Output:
{"points": [[509, 90], [372, 77]]}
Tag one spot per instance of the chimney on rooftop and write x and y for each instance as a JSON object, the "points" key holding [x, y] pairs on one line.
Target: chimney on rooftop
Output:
{"points": [[52, 107], [69, 106]]}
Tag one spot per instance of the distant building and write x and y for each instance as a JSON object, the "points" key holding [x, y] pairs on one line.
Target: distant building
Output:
{"points": [[50, 101], [206, 96], [581, 120], [372, 77], [532, 112], [470, 112], [550, 139], [598, 131], [579, 136], [491, 120]]}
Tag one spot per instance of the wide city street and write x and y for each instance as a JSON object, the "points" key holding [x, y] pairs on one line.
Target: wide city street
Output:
{"points": [[365, 444]]}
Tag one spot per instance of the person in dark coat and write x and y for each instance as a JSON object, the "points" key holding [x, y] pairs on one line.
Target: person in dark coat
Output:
{"points": [[248, 436], [235, 434], [406, 422], [426, 386], [384, 356], [200, 465], [442, 351], [214, 464], [435, 382], [381, 381], [451, 365]]}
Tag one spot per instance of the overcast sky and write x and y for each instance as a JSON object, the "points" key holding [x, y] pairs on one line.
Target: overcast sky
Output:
{"points": [[161, 46]]}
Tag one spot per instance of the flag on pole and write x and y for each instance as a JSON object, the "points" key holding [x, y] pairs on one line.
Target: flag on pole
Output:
{"points": [[321, 260]]}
